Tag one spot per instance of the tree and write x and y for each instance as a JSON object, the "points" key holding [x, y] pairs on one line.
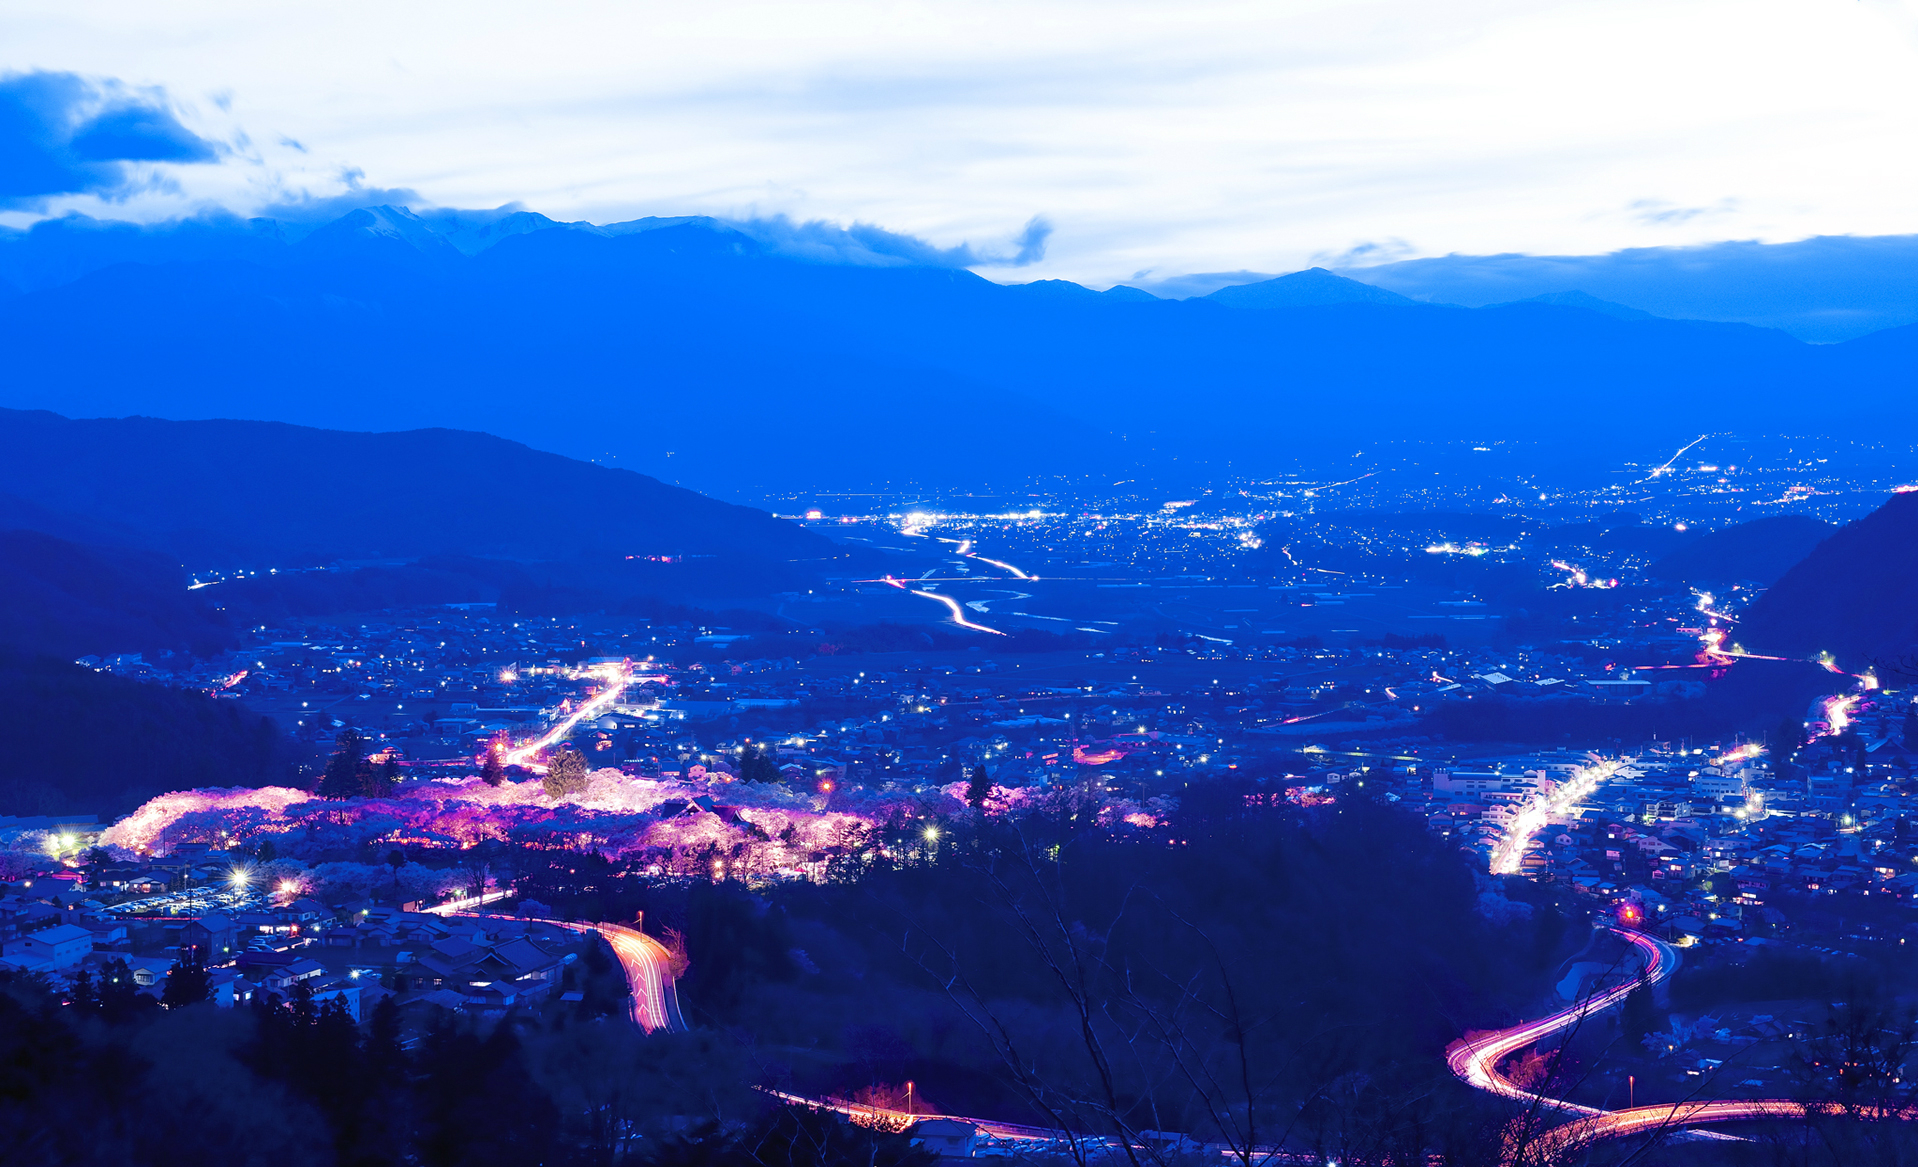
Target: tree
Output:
{"points": [[757, 765], [186, 984], [377, 781], [492, 770], [1640, 1014], [979, 788], [565, 773], [347, 770], [267, 852]]}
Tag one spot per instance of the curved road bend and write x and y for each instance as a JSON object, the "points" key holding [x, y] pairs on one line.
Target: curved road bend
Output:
{"points": [[655, 1006], [1475, 1060], [648, 968]]}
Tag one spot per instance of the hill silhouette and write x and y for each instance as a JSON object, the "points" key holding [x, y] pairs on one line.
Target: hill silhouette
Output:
{"points": [[87, 742], [1760, 551], [263, 494], [66, 600], [1855, 596], [691, 349]]}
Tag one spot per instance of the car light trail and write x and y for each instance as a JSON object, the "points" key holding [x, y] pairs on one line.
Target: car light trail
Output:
{"points": [[648, 968], [958, 611], [1016, 573], [1838, 711], [1475, 1060], [618, 678], [1667, 467], [1540, 809], [1576, 577]]}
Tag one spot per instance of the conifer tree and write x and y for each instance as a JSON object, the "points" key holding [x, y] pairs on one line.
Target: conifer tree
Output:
{"points": [[492, 770], [343, 776], [186, 984], [979, 788]]}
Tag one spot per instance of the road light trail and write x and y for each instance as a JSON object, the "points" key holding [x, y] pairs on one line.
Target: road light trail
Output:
{"points": [[1475, 1060], [649, 973], [1666, 468], [958, 611], [1016, 573], [1532, 818], [618, 677]]}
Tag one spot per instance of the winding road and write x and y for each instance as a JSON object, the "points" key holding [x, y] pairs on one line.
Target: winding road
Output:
{"points": [[1475, 1060], [648, 967]]}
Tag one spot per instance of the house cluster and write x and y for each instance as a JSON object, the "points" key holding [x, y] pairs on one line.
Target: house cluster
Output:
{"points": [[355, 953]]}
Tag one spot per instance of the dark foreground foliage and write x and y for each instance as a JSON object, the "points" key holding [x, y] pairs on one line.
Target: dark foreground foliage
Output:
{"points": [[116, 1080]]}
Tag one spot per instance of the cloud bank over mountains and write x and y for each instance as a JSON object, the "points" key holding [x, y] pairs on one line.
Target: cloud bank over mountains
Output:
{"points": [[62, 134], [1822, 290]]}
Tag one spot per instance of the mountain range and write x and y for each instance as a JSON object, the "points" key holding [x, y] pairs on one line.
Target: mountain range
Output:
{"points": [[694, 351]]}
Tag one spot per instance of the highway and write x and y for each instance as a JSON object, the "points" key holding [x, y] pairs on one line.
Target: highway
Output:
{"points": [[617, 677]]}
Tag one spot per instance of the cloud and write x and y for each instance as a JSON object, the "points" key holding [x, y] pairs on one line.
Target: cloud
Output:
{"points": [[1363, 254], [1657, 212], [63, 134], [869, 246]]}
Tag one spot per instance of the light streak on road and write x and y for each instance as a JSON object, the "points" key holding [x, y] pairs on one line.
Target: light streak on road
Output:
{"points": [[1838, 711], [458, 907], [1705, 602], [648, 967], [1667, 467], [1016, 573], [1577, 577], [618, 679], [1541, 809], [958, 611], [1563, 1141], [1740, 754], [1330, 485], [1475, 1060]]}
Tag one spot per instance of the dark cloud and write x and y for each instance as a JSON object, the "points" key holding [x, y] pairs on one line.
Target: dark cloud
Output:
{"points": [[63, 134]]}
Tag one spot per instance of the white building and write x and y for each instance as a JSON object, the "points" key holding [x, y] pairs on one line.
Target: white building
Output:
{"points": [[50, 949]]}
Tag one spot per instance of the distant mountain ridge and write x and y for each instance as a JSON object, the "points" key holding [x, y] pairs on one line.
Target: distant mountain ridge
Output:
{"points": [[1302, 289], [691, 349]]}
